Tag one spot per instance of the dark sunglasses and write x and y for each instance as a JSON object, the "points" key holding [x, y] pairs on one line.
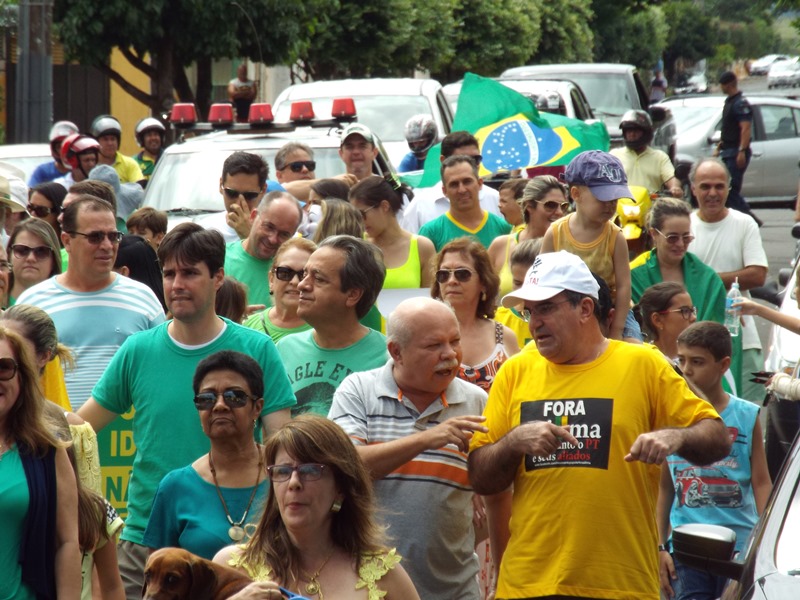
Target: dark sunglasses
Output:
{"points": [[462, 274], [231, 398], [8, 368], [552, 205], [39, 211], [234, 194], [306, 472], [287, 274], [96, 237], [297, 165], [22, 251]]}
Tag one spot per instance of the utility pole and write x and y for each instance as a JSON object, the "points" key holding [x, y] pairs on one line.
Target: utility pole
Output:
{"points": [[34, 83]]}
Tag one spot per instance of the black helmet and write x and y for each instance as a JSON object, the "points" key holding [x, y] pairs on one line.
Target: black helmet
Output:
{"points": [[637, 119], [420, 132], [149, 124], [106, 125]]}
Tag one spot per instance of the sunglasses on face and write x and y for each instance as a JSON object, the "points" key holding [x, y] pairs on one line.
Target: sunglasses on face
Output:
{"points": [[96, 237], [231, 398], [39, 211], [297, 165], [552, 205], [674, 238], [22, 251], [233, 194], [306, 472], [287, 274], [461, 274], [8, 368]]}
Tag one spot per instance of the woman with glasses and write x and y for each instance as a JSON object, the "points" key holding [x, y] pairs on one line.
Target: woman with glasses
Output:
{"points": [[318, 535], [544, 201], [218, 498], [287, 270], [669, 226], [35, 255], [45, 202], [39, 548], [666, 309], [407, 257]]}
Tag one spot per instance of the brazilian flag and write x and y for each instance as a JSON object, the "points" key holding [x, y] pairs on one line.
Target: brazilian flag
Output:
{"points": [[512, 134]]}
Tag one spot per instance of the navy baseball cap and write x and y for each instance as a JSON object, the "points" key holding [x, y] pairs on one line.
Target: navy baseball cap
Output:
{"points": [[601, 172]]}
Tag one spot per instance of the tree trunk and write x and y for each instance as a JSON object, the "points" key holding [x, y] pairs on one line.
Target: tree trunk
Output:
{"points": [[162, 84], [204, 85]]}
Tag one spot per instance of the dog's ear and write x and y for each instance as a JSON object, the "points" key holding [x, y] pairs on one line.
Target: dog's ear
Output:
{"points": [[204, 579]]}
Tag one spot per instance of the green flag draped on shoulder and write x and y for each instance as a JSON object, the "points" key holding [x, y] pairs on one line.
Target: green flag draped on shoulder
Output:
{"points": [[511, 133]]}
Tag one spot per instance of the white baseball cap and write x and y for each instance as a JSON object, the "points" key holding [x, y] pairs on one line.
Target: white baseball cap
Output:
{"points": [[551, 274]]}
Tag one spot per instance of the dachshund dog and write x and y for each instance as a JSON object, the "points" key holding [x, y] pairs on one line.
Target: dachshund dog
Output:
{"points": [[177, 574]]}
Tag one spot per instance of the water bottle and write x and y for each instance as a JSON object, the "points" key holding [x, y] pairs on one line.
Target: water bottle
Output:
{"points": [[733, 315]]}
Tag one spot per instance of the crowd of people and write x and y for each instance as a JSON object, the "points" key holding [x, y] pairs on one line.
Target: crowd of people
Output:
{"points": [[510, 429]]}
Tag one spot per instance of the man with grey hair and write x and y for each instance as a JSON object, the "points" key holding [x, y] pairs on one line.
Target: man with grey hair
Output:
{"points": [[411, 421], [340, 284], [728, 241], [274, 221], [294, 162]]}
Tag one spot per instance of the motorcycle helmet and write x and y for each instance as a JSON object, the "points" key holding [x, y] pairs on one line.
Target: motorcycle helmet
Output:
{"points": [[149, 124], [73, 146], [420, 133], [106, 125], [62, 129], [637, 119]]}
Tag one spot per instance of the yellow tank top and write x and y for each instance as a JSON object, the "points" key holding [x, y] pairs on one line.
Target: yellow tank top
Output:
{"points": [[597, 254], [410, 274], [506, 279]]}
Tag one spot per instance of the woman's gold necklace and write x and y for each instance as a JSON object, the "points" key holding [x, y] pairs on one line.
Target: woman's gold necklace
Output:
{"points": [[313, 587], [236, 531]]}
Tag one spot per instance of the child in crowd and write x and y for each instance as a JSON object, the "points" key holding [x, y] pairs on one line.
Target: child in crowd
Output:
{"points": [[149, 223], [704, 354], [596, 181], [520, 261]]}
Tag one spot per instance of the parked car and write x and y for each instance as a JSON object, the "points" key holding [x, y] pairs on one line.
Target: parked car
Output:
{"points": [[691, 83], [560, 97], [383, 105], [612, 90], [785, 73], [769, 566], [762, 65], [25, 156], [185, 182], [773, 172]]}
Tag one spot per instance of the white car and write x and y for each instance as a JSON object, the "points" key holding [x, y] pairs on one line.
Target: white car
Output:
{"points": [[25, 156], [383, 105], [785, 73], [762, 65]]}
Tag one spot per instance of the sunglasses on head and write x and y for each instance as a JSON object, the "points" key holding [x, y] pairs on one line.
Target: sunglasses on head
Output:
{"points": [[39, 211], [231, 398], [234, 194], [287, 274], [22, 251], [96, 237], [461, 274], [8, 368], [297, 165]]}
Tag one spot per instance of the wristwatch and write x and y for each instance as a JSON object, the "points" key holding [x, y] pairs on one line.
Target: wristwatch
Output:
{"points": [[663, 547]]}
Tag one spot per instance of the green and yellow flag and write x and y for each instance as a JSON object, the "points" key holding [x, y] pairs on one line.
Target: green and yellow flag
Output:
{"points": [[511, 133]]}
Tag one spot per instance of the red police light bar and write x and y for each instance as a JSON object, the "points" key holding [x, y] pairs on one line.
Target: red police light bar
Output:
{"points": [[343, 108], [183, 114], [220, 114], [302, 111], [260, 114]]}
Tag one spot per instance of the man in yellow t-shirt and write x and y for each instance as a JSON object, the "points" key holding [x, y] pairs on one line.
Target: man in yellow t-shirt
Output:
{"points": [[580, 424]]}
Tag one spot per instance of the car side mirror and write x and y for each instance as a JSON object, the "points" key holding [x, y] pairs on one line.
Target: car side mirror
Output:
{"points": [[707, 548], [796, 231], [715, 138]]}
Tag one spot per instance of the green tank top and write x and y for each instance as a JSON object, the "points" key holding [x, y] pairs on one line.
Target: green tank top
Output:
{"points": [[14, 500]]}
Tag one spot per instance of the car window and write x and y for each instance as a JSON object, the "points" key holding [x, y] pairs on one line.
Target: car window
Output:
{"points": [[778, 122], [606, 93], [190, 180], [577, 106], [787, 548], [385, 115]]}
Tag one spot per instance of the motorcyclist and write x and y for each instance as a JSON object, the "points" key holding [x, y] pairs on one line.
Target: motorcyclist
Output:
{"points": [[80, 154], [108, 132], [645, 166], [421, 134], [150, 134], [55, 169]]}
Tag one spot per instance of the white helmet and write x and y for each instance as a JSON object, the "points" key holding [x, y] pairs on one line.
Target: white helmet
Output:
{"points": [[149, 124], [62, 129], [420, 133]]}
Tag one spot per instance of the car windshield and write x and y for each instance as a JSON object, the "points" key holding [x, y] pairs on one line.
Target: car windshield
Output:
{"points": [[606, 93], [384, 115], [689, 116], [190, 180]]}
